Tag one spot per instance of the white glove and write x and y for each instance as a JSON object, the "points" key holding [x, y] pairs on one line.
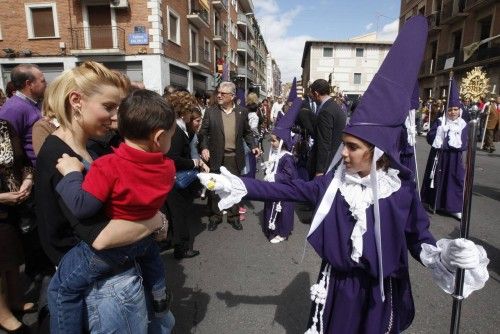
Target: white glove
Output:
{"points": [[216, 182], [269, 177], [460, 253]]}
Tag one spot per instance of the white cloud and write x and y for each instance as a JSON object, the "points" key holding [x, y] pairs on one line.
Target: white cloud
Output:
{"points": [[285, 49], [389, 31], [369, 26]]}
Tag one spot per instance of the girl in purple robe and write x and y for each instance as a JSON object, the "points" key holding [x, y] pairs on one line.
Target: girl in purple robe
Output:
{"points": [[368, 214], [443, 184], [278, 216]]}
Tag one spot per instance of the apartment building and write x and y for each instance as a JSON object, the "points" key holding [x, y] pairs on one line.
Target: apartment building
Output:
{"points": [[273, 78], [453, 26], [158, 42], [348, 65]]}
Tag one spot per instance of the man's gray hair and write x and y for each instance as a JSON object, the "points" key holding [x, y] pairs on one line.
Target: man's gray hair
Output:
{"points": [[228, 85]]}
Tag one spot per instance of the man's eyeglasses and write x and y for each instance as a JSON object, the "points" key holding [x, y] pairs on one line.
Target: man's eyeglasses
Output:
{"points": [[224, 93]]}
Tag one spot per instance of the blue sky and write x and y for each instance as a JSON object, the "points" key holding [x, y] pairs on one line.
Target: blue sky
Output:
{"points": [[287, 24]]}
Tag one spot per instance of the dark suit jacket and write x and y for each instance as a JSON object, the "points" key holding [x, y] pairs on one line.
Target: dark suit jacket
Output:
{"points": [[180, 152], [212, 130], [330, 123]]}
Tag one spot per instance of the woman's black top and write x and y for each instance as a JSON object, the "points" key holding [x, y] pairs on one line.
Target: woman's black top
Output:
{"points": [[59, 230]]}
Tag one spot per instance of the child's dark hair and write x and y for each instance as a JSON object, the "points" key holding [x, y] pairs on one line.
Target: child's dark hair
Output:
{"points": [[142, 112]]}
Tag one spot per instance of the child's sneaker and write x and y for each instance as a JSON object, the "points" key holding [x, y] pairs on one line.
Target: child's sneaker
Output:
{"points": [[243, 210], [161, 307], [277, 239], [242, 217]]}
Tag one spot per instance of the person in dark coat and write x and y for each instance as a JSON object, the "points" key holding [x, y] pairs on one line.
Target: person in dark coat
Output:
{"points": [[330, 122], [443, 185], [179, 202], [223, 129], [368, 215]]}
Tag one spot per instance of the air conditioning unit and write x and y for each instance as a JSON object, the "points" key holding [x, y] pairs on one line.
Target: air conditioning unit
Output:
{"points": [[119, 4]]}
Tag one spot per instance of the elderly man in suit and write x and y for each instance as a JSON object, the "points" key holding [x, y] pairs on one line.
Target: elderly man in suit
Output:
{"points": [[223, 130], [330, 122]]}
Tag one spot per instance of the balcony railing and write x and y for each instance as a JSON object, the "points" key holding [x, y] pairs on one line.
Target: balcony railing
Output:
{"points": [[452, 11], [244, 72], [97, 39], [198, 14], [483, 53], [434, 21], [220, 37], [472, 3], [243, 46], [200, 59], [220, 4], [242, 19]]}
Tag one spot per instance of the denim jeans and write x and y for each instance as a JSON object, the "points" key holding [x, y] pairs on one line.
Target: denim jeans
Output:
{"points": [[81, 269], [117, 305]]}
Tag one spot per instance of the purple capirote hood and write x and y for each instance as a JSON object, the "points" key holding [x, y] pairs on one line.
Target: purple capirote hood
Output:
{"points": [[380, 115]]}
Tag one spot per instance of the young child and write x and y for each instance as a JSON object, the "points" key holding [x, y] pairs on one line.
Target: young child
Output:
{"points": [[443, 185], [132, 183], [278, 216], [368, 215]]}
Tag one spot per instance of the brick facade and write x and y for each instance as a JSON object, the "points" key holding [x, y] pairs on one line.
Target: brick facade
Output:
{"points": [[71, 44], [453, 25]]}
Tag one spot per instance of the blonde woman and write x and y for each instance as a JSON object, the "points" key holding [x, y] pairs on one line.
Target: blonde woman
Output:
{"points": [[85, 101]]}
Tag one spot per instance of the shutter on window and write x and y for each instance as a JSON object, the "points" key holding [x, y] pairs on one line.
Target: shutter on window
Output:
{"points": [[43, 22]]}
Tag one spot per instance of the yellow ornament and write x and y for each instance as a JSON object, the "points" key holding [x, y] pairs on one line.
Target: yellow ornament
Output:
{"points": [[475, 85], [211, 184]]}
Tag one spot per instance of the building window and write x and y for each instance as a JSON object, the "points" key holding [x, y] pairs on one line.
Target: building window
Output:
{"points": [[42, 20], [327, 52], [456, 40], [360, 52], [193, 46], [357, 78], [173, 27], [206, 50]]}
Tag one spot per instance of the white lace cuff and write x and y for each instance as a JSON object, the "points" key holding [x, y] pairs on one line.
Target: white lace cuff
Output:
{"points": [[238, 191], [474, 278]]}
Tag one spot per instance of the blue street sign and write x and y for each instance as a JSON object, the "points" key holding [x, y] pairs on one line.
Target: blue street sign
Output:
{"points": [[138, 39]]}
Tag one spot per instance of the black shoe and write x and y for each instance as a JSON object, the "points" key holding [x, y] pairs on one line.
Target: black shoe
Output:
{"points": [[186, 254], [165, 245], [236, 224], [212, 225]]}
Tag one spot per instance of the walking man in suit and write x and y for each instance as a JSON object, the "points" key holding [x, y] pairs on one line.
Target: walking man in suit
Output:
{"points": [[224, 128], [330, 122]]}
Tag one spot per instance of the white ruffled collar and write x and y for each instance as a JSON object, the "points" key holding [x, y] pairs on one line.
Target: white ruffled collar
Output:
{"points": [[274, 158], [452, 129], [358, 194]]}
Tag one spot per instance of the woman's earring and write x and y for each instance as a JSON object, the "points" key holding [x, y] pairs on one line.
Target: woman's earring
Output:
{"points": [[76, 113]]}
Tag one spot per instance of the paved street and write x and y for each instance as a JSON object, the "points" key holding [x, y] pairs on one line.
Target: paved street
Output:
{"points": [[241, 283]]}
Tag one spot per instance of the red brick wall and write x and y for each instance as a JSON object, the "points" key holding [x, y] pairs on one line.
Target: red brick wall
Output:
{"points": [[15, 30], [181, 52]]}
